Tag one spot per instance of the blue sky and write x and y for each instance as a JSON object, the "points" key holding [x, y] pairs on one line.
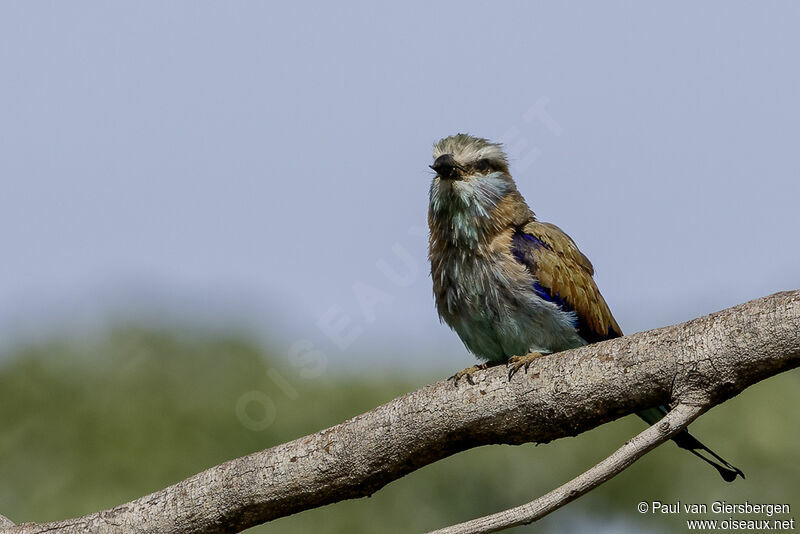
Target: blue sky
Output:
{"points": [[265, 165]]}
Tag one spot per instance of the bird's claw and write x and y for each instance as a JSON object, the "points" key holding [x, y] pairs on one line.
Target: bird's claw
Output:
{"points": [[515, 363], [467, 373]]}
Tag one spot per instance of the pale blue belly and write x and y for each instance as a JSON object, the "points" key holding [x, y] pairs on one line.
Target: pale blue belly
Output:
{"points": [[495, 329]]}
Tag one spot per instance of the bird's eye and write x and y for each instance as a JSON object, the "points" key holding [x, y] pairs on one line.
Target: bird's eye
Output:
{"points": [[482, 165]]}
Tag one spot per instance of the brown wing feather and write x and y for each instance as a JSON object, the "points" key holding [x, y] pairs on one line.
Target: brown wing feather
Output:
{"points": [[566, 272]]}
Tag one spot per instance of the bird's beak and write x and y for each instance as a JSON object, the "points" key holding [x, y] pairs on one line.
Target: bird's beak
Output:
{"points": [[447, 168]]}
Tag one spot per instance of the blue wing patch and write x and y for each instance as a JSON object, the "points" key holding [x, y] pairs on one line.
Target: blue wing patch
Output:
{"points": [[522, 247], [520, 242]]}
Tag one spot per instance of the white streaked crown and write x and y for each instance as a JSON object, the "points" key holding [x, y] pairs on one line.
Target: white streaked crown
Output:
{"points": [[467, 149]]}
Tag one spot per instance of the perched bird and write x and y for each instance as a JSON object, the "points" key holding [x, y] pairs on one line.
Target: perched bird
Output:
{"points": [[512, 287]]}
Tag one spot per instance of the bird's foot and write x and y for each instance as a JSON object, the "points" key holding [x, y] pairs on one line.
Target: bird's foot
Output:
{"points": [[515, 363], [467, 373]]}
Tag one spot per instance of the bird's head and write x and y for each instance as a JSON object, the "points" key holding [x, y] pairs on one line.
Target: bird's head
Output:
{"points": [[462, 157], [472, 186]]}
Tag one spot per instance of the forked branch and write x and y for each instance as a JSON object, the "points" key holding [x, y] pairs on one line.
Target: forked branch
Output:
{"points": [[675, 421]]}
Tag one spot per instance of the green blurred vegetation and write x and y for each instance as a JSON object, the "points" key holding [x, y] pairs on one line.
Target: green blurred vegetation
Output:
{"points": [[89, 425]]}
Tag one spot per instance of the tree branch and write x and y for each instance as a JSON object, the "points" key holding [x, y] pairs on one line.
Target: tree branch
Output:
{"points": [[700, 363], [672, 423]]}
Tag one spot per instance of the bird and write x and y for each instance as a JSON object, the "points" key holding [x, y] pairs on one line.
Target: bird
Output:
{"points": [[512, 287]]}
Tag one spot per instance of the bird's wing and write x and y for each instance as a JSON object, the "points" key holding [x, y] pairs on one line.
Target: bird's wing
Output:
{"points": [[563, 275]]}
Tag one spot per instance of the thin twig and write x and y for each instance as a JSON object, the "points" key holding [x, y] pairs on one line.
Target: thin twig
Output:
{"points": [[671, 424]]}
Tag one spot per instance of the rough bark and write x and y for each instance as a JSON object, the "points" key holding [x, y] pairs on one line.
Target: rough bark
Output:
{"points": [[700, 363], [675, 421]]}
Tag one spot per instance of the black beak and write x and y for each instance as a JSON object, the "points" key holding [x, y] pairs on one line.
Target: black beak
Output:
{"points": [[446, 167]]}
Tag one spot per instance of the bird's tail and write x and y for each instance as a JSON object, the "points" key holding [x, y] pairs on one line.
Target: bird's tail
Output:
{"points": [[686, 441]]}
